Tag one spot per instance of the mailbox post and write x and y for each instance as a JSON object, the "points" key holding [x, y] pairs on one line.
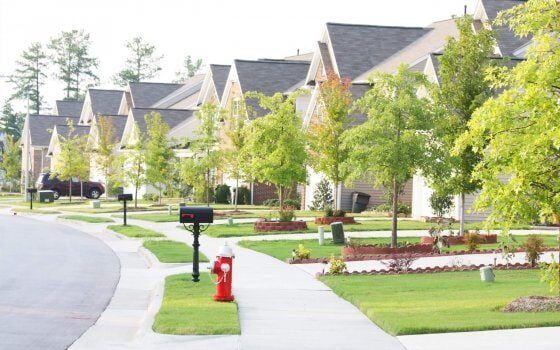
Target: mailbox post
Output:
{"points": [[124, 197], [31, 192], [194, 216]]}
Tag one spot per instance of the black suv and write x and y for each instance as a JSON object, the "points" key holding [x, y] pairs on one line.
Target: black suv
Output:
{"points": [[48, 181]]}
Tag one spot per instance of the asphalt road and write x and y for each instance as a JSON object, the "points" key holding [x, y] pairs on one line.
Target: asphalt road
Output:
{"points": [[54, 283]]}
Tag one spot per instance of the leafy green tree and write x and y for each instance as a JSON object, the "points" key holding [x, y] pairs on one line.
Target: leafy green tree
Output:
{"points": [[11, 122], [390, 145], [190, 68], [133, 164], [71, 56], [462, 89], [29, 76], [193, 174], [516, 133], [158, 152], [143, 63], [205, 147], [11, 160], [275, 145], [322, 196], [325, 135], [74, 158], [234, 157], [104, 153]]}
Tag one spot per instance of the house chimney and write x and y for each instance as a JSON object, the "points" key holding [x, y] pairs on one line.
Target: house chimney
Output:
{"points": [[465, 13], [297, 52]]}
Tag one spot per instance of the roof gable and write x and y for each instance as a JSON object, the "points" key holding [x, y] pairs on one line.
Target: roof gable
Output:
{"points": [[105, 102], [508, 42], [69, 107], [145, 94], [41, 126], [219, 76], [172, 117]]}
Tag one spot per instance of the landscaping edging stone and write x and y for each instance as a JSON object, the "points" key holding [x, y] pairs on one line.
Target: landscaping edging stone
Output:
{"points": [[370, 249], [327, 220], [457, 240], [516, 266], [267, 226]]}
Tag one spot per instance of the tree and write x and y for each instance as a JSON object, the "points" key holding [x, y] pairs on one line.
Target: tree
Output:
{"points": [[275, 146], [205, 147], [234, 157], [11, 122], [143, 63], [133, 164], [158, 152], [390, 145], [190, 68], [70, 53], [29, 75], [322, 196], [74, 159], [463, 88], [516, 133], [335, 100], [11, 159], [104, 155]]}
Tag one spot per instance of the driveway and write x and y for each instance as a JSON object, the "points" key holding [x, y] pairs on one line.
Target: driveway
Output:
{"points": [[55, 282]]}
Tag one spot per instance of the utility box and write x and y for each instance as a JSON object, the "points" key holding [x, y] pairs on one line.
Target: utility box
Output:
{"points": [[96, 204], [487, 274], [46, 196], [360, 200], [196, 215], [337, 230]]}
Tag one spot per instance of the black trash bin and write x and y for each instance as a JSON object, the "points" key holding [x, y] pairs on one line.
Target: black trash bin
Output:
{"points": [[360, 201]]}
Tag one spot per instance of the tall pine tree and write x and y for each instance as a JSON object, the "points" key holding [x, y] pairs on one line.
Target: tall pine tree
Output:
{"points": [[29, 76], [143, 63]]}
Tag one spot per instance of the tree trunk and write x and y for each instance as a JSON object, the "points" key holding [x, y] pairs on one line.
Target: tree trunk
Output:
{"points": [[236, 193], [136, 195], [280, 197], [462, 214], [160, 189], [336, 204], [70, 192], [207, 187], [81, 190], [395, 214]]}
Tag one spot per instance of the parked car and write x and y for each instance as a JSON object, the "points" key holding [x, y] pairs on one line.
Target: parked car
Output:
{"points": [[48, 181]]}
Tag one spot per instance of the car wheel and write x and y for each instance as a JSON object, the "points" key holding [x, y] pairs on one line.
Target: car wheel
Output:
{"points": [[56, 195], [94, 193]]}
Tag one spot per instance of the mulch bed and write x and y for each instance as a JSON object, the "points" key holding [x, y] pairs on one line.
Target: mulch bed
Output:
{"points": [[534, 304]]}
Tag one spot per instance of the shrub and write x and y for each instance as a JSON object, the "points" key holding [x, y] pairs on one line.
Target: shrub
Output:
{"points": [[533, 248], [440, 203], [322, 196], [293, 203], [243, 195], [222, 194], [399, 262], [286, 214], [403, 208], [301, 252], [508, 248], [472, 241], [200, 196], [271, 203], [329, 212], [382, 208], [337, 267], [153, 197], [339, 213]]}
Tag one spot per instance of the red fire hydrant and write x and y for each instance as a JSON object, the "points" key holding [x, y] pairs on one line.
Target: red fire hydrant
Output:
{"points": [[223, 267]]}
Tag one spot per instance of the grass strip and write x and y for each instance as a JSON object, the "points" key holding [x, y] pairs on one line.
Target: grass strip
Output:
{"points": [[134, 231], [172, 251], [84, 218], [188, 309]]}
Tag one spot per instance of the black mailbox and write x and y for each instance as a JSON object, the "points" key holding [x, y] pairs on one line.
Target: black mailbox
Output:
{"points": [[192, 215], [125, 197], [31, 190]]}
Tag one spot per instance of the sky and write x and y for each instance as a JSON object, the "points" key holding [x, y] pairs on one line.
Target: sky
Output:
{"points": [[217, 31]]}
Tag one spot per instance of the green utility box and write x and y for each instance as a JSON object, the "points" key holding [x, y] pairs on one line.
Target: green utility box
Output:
{"points": [[486, 274], [96, 204], [337, 230], [46, 196]]}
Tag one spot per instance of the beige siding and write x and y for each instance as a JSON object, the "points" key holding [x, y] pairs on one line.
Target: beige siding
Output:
{"points": [[377, 194]]}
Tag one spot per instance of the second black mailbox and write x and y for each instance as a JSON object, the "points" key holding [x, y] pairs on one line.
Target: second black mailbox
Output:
{"points": [[125, 197], [191, 215]]}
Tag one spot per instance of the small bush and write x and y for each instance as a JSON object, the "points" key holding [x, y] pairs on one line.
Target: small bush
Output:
{"points": [[339, 213], [222, 194], [294, 203], [286, 214], [322, 196], [338, 266], [382, 208], [472, 241], [243, 195], [403, 208], [440, 203], [271, 203], [399, 262], [329, 212], [301, 252], [533, 249]]}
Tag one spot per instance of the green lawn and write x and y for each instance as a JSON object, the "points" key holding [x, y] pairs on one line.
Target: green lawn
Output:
{"points": [[171, 251], [188, 309], [34, 210], [90, 219], [282, 249], [134, 231], [443, 302]]}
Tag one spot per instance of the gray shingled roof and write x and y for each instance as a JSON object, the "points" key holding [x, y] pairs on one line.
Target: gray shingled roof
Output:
{"points": [[507, 41], [118, 122], [220, 74], [191, 87], [325, 56], [41, 126], [145, 94], [358, 91], [358, 48], [172, 117], [69, 107], [268, 77], [105, 102], [79, 130]]}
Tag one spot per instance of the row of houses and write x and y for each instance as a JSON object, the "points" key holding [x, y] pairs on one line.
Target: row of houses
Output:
{"points": [[352, 51]]}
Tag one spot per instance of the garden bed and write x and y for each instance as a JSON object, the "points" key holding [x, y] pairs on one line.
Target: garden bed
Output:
{"points": [[372, 249], [268, 226], [327, 220], [457, 240]]}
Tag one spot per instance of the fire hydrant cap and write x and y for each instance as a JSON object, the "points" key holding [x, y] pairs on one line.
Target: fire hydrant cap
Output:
{"points": [[225, 251]]}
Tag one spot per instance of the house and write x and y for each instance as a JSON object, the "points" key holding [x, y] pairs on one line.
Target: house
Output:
{"points": [[185, 97], [267, 76], [70, 108], [213, 84], [36, 136], [352, 51], [97, 101], [60, 132], [144, 95]]}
